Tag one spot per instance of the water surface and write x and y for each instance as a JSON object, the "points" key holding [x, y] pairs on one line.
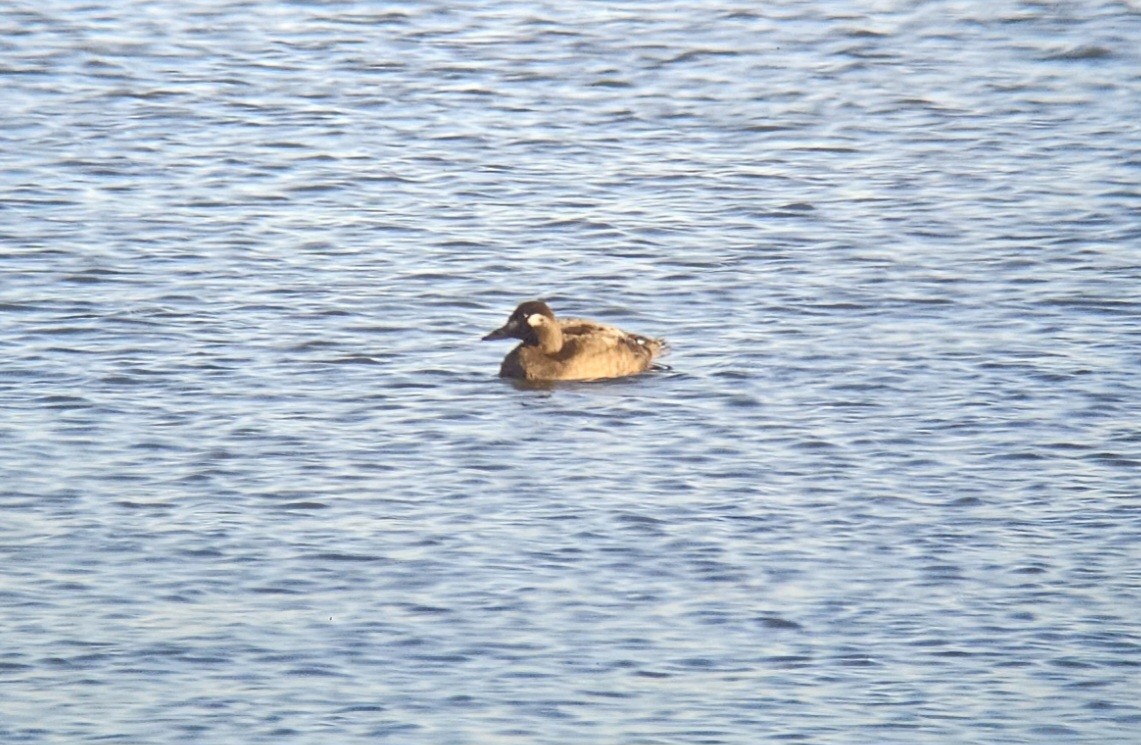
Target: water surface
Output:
{"points": [[260, 483]]}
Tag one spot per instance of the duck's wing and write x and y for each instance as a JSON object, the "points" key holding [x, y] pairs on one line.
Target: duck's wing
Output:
{"points": [[596, 350], [584, 327], [602, 337]]}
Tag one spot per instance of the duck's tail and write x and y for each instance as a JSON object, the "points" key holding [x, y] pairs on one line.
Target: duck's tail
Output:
{"points": [[656, 347]]}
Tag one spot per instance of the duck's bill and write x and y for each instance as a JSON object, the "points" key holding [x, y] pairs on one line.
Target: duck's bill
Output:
{"points": [[502, 332]]}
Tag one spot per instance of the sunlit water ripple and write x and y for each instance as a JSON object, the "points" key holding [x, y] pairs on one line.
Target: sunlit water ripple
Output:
{"points": [[260, 483]]}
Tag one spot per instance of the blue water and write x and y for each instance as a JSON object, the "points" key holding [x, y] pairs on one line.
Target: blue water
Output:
{"points": [[260, 484]]}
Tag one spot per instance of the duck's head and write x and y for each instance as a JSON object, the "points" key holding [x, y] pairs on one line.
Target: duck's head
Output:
{"points": [[523, 322]]}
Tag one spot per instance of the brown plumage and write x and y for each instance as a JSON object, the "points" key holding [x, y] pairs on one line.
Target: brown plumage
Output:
{"points": [[570, 348]]}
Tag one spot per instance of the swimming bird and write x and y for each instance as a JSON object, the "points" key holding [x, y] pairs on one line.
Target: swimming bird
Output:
{"points": [[570, 348]]}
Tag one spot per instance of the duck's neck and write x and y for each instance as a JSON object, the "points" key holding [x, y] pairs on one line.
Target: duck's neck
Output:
{"points": [[549, 336]]}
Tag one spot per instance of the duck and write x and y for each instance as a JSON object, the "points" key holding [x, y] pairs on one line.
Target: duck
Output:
{"points": [[570, 348]]}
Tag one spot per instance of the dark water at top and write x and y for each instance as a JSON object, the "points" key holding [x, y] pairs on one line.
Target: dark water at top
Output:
{"points": [[259, 483]]}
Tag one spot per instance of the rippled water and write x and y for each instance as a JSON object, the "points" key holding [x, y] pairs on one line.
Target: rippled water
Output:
{"points": [[260, 483]]}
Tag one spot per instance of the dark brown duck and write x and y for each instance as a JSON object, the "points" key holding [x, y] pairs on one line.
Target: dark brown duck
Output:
{"points": [[570, 348]]}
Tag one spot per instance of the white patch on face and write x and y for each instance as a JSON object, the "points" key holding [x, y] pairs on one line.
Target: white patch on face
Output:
{"points": [[535, 319]]}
